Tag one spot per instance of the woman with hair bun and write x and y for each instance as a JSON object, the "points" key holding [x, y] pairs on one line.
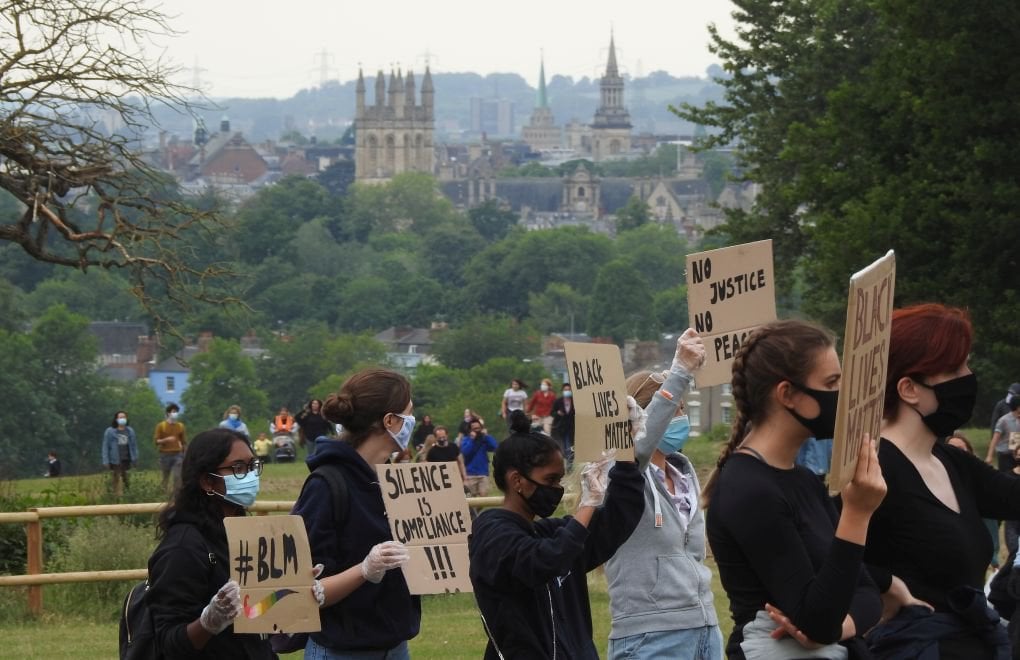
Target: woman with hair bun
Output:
{"points": [[530, 576], [928, 549], [775, 534], [367, 610]]}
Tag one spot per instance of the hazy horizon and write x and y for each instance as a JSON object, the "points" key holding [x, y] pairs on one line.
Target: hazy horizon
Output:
{"points": [[256, 50]]}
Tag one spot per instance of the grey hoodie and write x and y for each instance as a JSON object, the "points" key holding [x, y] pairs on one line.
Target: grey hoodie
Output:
{"points": [[658, 580]]}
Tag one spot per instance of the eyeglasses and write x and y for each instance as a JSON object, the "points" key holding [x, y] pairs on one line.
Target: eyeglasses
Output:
{"points": [[241, 469]]}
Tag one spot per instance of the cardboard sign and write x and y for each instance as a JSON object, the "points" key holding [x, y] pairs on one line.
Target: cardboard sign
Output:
{"points": [[865, 365], [271, 561], [730, 292], [601, 421], [428, 513]]}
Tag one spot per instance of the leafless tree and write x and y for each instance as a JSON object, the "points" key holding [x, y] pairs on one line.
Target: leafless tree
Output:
{"points": [[78, 86]]}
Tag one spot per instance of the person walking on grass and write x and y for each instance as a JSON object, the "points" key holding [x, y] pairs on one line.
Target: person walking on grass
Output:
{"points": [[171, 441], [120, 451]]}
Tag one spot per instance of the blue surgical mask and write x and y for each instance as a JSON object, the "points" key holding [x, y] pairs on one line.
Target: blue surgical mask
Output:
{"points": [[122, 421], [243, 491], [676, 435], [568, 394], [403, 436], [232, 417]]}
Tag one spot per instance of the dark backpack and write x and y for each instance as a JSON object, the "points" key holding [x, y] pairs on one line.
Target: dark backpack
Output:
{"points": [[334, 477], [137, 631]]}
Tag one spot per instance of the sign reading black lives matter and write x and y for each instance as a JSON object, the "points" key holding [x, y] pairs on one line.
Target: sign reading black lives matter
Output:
{"points": [[601, 421], [271, 561], [428, 513], [730, 292], [865, 365]]}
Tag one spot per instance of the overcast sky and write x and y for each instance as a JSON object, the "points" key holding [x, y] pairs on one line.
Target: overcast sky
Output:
{"points": [[256, 48]]}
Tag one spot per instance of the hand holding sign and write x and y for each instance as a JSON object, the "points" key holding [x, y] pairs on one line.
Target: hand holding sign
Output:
{"points": [[383, 557], [690, 352], [222, 609], [867, 489]]}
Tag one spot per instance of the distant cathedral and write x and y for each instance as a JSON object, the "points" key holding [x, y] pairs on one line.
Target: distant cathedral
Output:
{"points": [[395, 134], [542, 133], [610, 131]]}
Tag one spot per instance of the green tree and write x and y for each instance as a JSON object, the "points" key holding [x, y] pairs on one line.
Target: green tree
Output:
{"points": [[558, 309], [482, 338], [669, 307], [632, 215], [12, 306], [491, 220], [67, 356], [410, 201], [877, 125], [144, 412], [500, 277], [269, 221], [221, 377], [657, 252], [99, 295], [621, 306], [21, 373]]}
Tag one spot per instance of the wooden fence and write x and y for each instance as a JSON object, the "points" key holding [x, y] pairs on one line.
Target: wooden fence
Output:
{"points": [[33, 519]]}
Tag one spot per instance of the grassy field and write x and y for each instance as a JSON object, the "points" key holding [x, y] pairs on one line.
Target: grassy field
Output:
{"points": [[450, 626]]}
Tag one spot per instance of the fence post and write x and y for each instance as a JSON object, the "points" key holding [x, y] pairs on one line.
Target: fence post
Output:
{"points": [[33, 530]]}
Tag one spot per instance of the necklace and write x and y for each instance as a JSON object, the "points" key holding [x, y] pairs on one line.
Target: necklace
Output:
{"points": [[754, 452]]}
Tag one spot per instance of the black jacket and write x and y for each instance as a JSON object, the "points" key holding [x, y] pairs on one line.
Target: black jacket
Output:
{"points": [[375, 616], [185, 572], [529, 577], [563, 421]]}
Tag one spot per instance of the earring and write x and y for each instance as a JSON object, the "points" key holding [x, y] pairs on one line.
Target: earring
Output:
{"points": [[210, 493]]}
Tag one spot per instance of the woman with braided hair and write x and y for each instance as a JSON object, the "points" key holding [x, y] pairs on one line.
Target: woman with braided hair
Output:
{"points": [[785, 555]]}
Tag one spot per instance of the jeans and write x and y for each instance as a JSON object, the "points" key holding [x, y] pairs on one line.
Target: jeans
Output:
{"points": [[314, 651], [170, 465], [703, 643]]}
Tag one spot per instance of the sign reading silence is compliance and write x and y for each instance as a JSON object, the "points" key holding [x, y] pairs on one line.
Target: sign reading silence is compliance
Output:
{"points": [[428, 513]]}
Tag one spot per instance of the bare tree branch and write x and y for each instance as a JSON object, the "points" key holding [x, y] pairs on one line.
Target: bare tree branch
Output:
{"points": [[89, 197]]}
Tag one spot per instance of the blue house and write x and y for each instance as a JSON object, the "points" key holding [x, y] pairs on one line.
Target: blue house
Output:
{"points": [[169, 378]]}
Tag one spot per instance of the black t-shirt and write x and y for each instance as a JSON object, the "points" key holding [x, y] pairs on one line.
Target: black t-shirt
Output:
{"points": [[314, 425], [441, 454], [772, 532]]}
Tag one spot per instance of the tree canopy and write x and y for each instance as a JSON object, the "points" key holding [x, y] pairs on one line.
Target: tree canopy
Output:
{"points": [[876, 125]]}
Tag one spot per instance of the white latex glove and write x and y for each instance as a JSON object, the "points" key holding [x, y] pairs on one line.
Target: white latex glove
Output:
{"points": [[637, 417], [383, 557], [221, 610], [317, 589], [690, 352], [594, 481]]}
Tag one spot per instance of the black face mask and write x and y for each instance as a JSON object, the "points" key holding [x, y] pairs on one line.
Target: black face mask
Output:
{"points": [[544, 500], [823, 426], [956, 399]]}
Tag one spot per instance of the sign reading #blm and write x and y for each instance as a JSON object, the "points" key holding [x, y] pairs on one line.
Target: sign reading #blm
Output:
{"points": [[601, 421], [730, 292], [428, 513], [865, 365], [271, 561]]}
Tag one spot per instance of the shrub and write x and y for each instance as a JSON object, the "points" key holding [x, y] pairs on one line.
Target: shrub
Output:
{"points": [[99, 544]]}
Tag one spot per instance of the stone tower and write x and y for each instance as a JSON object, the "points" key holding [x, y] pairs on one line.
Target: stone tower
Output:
{"points": [[542, 133], [611, 127], [393, 135]]}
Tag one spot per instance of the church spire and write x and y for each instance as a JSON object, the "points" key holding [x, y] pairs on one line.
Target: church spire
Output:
{"points": [[611, 69], [543, 101]]}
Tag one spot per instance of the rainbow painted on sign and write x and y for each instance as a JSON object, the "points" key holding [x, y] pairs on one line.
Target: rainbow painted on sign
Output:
{"points": [[261, 607]]}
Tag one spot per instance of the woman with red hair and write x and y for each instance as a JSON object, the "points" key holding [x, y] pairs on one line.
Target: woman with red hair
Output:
{"points": [[927, 545]]}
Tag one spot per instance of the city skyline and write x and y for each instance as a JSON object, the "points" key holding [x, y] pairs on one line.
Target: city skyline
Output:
{"points": [[232, 50]]}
